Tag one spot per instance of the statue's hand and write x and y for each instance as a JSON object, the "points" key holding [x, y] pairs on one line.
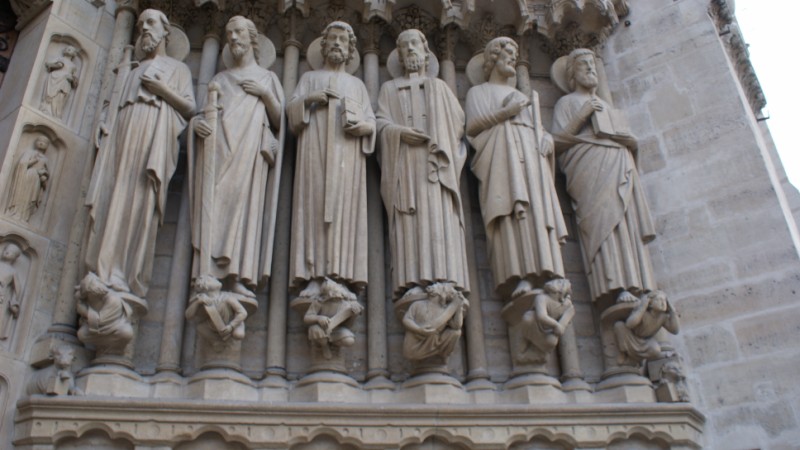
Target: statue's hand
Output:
{"points": [[253, 88], [102, 131], [202, 129], [547, 145], [413, 136], [558, 330], [519, 211], [156, 86], [362, 128], [514, 107], [323, 321], [591, 105], [14, 310], [319, 97]]}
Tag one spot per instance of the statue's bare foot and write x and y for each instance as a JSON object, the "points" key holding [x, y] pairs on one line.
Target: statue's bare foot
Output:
{"points": [[241, 289], [523, 287], [626, 297], [312, 290]]}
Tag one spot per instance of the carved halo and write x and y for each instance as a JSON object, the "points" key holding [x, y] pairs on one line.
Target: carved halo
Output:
{"points": [[396, 69], [316, 61], [178, 46], [266, 53], [475, 71], [558, 73]]}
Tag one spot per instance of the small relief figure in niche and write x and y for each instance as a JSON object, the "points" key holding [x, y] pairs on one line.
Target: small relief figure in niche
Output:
{"points": [[433, 323], [29, 181], [330, 316], [10, 289], [636, 336], [105, 316], [542, 327], [220, 313], [62, 79], [58, 378], [671, 381]]}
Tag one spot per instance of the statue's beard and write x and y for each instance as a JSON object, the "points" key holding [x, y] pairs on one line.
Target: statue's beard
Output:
{"points": [[149, 43], [336, 56], [414, 63], [239, 49], [507, 70]]}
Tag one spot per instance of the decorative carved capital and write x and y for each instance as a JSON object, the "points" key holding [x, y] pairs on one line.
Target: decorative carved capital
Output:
{"points": [[458, 13], [571, 24], [413, 17], [378, 9], [446, 42], [481, 32], [370, 35]]}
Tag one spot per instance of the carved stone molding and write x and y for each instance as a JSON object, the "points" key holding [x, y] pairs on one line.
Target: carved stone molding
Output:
{"points": [[27, 10], [158, 422], [723, 13], [571, 24]]}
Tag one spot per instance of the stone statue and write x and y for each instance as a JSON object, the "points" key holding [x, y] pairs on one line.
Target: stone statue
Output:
{"points": [[220, 315], [612, 214], [10, 290], [330, 316], [421, 125], [513, 162], [62, 79], [670, 381], [106, 317], [229, 205], [128, 190], [636, 336], [433, 322], [331, 115], [539, 329], [58, 378], [29, 181]]}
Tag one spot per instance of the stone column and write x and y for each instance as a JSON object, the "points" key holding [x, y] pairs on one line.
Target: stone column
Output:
{"points": [[208, 65], [377, 363], [523, 66], [447, 65], [178, 290], [291, 52], [279, 280], [571, 373], [65, 314]]}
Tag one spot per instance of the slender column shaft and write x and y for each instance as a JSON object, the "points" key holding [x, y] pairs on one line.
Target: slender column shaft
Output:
{"points": [[178, 289], [208, 66], [371, 76], [447, 68], [291, 62]]}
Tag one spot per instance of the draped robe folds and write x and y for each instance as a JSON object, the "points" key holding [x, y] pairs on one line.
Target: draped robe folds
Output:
{"points": [[128, 190], [59, 85], [613, 217], [26, 185], [244, 184], [512, 171], [336, 249], [420, 186]]}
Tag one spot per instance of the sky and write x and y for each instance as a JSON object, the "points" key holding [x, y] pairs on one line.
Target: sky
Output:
{"points": [[767, 26]]}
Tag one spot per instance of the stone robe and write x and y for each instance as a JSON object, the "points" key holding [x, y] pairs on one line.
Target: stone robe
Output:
{"points": [[245, 187], [512, 171], [335, 247], [420, 186], [27, 185], [128, 190], [59, 84], [613, 217], [10, 286]]}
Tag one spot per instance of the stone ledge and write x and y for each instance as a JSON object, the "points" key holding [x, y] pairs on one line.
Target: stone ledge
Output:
{"points": [[46, 420]]}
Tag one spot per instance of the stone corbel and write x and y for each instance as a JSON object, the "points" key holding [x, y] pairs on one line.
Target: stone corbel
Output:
{"points": [[380, 9], [457, 13], [301, 5]]}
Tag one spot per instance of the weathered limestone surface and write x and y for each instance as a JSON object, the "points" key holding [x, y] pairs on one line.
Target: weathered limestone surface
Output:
{"points": [[726, 250]]}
